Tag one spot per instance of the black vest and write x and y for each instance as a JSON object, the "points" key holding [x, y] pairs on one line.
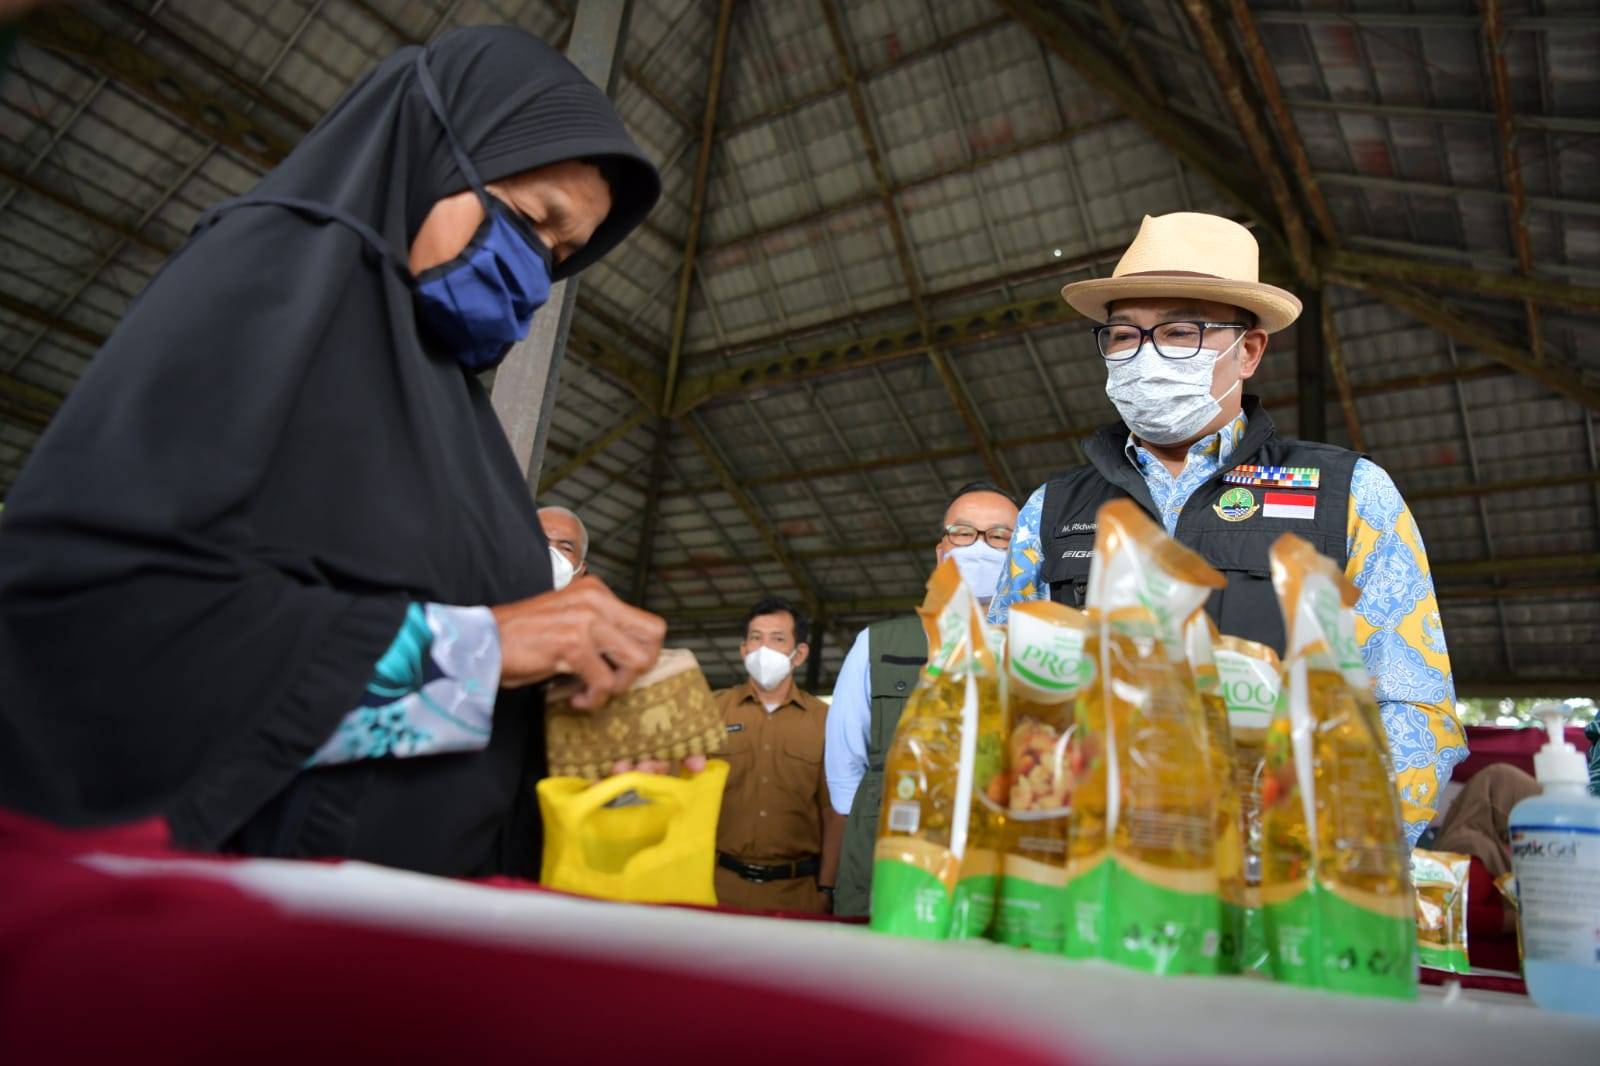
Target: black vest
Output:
{"points": [[1248, 607]]}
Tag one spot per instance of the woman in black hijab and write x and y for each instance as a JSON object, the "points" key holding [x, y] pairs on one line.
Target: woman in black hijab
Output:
{"points": [[280, 472]]}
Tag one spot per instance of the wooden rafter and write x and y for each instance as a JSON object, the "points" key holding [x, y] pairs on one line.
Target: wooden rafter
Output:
{"points": [[935, 354], [1510, 165]]}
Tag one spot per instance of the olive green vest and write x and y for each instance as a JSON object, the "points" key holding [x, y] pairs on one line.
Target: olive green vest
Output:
{"points": [[899, 650]]}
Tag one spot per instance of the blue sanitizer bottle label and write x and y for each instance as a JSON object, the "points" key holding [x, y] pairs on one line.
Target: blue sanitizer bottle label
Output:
{"points": [[1558, 883]]}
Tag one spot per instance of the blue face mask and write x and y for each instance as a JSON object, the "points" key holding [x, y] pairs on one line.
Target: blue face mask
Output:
{"points": [[482, 302]]}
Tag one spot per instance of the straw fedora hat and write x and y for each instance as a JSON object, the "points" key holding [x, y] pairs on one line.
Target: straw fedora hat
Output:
{"points": [[1188, 254]]}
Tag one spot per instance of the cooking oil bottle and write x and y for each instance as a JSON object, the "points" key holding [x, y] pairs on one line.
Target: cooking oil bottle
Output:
{"points": [[1142, 881], [1335, 870], [935, 865]]}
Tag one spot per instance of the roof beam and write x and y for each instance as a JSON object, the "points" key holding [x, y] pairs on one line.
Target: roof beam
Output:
{"points": [[890, 345], [908, 267], [1225, 71], [591, 451], [1467, 330], [1052, 268], [1266, 78], [697, 201], [747, 504], [814, 219], [1341, 379], [1520, 687], [55, 195], [1510, 165], [207, 58], [866, 74], [1408, 187], [1413, 113], [61, 29], [1381, 21], [1337, 262], [1067, 40], [635, 75]]}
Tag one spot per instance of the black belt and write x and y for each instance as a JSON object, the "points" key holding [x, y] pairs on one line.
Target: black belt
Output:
{"points": [[787, 871]]}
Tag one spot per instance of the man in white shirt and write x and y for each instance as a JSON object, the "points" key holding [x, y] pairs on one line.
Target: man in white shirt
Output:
{"points": [[878, 675]]}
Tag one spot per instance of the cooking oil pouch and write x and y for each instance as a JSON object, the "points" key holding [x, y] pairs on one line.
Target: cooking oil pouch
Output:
{"points": [[1440, 880], [1045, 671], [645, 838], [1251, 679], [1200, 638], [937, 860], [1335, 876], [1142, 868]]}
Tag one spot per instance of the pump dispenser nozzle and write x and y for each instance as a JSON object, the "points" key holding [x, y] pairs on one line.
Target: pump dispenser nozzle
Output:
{"points": [[1557, 762]]}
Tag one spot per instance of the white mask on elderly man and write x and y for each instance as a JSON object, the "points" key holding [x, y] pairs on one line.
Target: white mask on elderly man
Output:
{"points": [[768, 667], [980, 564], [1167, 401], [561, 569]]}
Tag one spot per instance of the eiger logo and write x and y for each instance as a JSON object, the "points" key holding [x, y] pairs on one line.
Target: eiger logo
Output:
{"points": [[1078, 553]]}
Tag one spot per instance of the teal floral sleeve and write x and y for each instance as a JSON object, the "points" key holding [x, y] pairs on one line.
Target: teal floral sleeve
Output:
{"points": [[432, 692]]}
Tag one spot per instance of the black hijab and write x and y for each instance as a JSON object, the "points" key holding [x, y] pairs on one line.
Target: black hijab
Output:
{"points": [[218, 534]]}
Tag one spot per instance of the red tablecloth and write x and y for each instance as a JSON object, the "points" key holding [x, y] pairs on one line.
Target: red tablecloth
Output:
{"points": [[1488, 744], [168, 967]]}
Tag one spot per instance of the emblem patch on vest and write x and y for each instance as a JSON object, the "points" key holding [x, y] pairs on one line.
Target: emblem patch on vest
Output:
{"points": [[1236, 505], [1273, 477]]}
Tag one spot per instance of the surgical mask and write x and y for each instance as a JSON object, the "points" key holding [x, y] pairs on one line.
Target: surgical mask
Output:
{"points": [[561, 569], [482, 302], [1167, 401], [768, 667], [980, 564]]}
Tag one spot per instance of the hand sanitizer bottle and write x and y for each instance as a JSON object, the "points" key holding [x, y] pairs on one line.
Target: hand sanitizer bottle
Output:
{"points": [[1555, 851]]}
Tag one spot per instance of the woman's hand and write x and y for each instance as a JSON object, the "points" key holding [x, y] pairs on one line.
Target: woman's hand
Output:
{"points": [[582, 630]]}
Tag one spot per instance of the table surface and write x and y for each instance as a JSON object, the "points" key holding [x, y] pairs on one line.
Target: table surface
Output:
{"points": [[1088, 1010]]}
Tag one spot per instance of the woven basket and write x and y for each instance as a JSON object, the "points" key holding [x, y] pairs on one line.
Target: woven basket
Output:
{"points": [[667, 714]]}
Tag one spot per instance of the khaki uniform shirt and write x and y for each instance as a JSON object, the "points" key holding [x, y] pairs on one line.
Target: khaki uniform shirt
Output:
{"points": [[776, 795]]}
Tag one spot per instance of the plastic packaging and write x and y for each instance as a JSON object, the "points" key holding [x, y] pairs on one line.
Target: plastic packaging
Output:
{"points": [[1045, 671], [1251, 680], [936, 863], [1440, 879], [1555, 854], [1335, 876], [1200, 638], [646, 838], [1142, 872]]}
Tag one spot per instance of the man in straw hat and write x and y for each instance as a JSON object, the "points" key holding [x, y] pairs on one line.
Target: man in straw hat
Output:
{"points": [[1183, 323]]}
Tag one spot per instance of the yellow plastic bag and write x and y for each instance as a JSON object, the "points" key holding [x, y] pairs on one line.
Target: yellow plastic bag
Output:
{"points": [[658, 846]]}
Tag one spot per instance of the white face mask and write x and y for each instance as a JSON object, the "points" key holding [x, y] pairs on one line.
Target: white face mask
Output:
{"points": [[1167, 401], [768, 667], [980, 565], [561, 569]]}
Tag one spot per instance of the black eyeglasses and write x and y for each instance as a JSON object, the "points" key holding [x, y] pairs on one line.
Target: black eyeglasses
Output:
{"points": [[962, 535], [1173, 340]]}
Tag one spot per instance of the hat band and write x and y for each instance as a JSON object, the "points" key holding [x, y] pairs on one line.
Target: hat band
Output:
{"points": [[1180, 274]]}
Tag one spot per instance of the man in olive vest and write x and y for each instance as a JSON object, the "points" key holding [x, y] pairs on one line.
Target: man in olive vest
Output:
{"points": [[879, 673], [1183, 323]]}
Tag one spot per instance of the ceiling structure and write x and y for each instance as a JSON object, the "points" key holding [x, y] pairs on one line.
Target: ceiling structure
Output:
{"points": [[846, 304]]}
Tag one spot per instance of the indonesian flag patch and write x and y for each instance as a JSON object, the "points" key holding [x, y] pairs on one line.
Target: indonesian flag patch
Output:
{"points": [[1290, 505]]}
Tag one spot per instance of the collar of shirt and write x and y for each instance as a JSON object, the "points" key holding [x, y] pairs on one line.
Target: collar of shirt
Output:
{"points": [[1206, 456], [752, 696]]}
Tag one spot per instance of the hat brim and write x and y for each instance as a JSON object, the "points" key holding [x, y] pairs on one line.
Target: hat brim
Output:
{"points": [[1273, 307]]}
